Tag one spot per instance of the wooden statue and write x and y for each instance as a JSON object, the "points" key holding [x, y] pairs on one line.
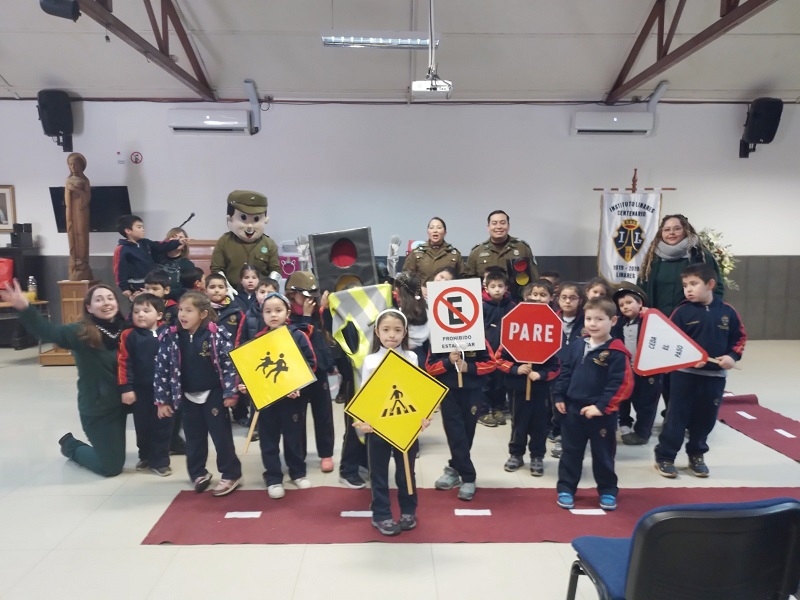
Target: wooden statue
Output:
{"points": [[77, 196]]}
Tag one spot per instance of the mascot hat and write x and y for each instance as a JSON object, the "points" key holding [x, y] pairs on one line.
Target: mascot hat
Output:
{"points": [[250, 203]]}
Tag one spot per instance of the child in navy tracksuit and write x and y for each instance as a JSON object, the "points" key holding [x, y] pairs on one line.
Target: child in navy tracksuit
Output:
{"points": [[459, 410], [134, 255], [595, 377], [646, 390], [138, 347], [157, 282], [195, 372], [529, 417], [497, 303], [229, 313], [696, 392], [570, 302]]}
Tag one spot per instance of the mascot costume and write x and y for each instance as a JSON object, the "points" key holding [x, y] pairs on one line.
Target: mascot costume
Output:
{"points": [[246, 243]]}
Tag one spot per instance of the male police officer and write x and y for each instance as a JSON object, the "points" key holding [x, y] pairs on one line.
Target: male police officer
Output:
{"points": [[498, 249]]}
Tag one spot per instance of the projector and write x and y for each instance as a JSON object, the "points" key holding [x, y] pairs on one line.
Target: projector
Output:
{"points": [[438, 89]]}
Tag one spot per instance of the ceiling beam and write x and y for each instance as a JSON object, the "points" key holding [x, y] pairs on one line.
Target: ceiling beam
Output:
{"points": [[735, 13], [95, 11]]}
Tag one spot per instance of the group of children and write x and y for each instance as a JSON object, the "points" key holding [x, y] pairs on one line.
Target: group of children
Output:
{"points": [[579, 396]]}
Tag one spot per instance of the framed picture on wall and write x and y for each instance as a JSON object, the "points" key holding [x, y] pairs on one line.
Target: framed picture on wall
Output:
{"points": [[8, 210]]}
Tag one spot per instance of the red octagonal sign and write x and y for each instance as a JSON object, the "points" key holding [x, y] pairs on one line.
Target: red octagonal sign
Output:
{"points": [[531, 332]]}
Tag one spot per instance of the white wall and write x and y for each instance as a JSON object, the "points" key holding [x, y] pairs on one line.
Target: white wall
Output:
{"points": [[393, 167]]}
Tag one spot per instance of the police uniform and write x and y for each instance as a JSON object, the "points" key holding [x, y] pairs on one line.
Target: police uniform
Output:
{"points": [[486, 255], [425, 260], [231, 253]]}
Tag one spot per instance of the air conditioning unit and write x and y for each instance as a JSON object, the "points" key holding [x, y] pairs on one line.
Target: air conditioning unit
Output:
{"points": [[613, 123], [232, 121]]}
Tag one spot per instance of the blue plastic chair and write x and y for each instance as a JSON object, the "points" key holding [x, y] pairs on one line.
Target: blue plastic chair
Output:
{"points": [[740, 551]]}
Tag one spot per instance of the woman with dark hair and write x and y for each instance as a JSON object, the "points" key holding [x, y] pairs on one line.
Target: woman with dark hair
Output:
{"points": [[675, 247], [423, 261], [93, 341]]}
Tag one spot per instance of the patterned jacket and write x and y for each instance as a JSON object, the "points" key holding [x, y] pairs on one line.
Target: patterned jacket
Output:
{"points": [[167, 386]]}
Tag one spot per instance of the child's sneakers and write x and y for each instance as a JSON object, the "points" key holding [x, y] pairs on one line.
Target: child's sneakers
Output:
{"points": [[161, 471], [513, 463], [499, 417], [608, 502], [556, 451], [666, 468], [201, 483], [276, 491], [698, 466], [302, 483], [488, 420], [537, 466], [407, 522], [354, 482], [226, 486], [448, 480], [566, 500], [142, 465], [467, 491], [387, 527]]}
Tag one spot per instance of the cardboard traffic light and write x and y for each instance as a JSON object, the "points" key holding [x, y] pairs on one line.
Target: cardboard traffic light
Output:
{"points": [[520, 274]]}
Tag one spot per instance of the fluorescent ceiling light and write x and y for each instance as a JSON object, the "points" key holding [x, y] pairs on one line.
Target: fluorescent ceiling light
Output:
{"points": [[405, 40]]}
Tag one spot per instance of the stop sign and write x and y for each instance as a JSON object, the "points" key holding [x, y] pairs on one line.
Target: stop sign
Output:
{"points": [[531, 332]]}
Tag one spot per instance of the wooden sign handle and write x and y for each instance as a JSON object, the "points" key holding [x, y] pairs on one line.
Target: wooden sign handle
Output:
{"points": [[407, 465], [527, 388], [250, 432]]}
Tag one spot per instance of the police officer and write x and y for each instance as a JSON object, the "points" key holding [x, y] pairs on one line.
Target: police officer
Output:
{"points": [[499, 248], [436, 253]]}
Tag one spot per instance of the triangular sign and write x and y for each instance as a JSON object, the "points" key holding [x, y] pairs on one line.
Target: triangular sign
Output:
{"points": [[663, 347]]}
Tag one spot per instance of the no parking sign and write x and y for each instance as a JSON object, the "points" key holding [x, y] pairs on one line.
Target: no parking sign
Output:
{"points": [[455, 315]]}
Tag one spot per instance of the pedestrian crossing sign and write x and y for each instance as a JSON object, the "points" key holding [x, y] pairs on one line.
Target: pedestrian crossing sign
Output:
{"points": [[272, 366], [395, 400]]}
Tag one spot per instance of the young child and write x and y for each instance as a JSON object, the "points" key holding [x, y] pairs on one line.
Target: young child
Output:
{"points": [[391, 333], [175, 261], [696, 392], [597, 287], [157, 282], [570, 301], [554, 277], [287, 416], [529, 418], [193, 279], [459, 409], [497, 303], [138, 347], [134, 255], [303, 293], [595, 377], [229, 313], [408, 295], [248, 284], [630, 300], [200, 378]]}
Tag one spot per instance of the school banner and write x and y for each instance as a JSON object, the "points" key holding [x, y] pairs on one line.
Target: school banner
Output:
{"points": [[272, 366], [628, 225]]}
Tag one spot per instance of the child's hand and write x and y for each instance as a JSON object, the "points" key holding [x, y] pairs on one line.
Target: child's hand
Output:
{"points": [[455, 356], [309, 306], [165, 411], [323, 300], [561, 407], [127, 294], [230, 402], [363, 427], [425, 424], [726, 362], [129, 398], [294, 394], [534, 376], [242, 388], [701, 364], [524, 369], [591, 411]]}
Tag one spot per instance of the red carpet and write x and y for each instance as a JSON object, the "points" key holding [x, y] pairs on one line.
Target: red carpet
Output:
{"points": [[761, 424], [517, 515]]}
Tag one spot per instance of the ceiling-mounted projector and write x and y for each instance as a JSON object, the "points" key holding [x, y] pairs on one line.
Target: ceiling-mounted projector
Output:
{"points": [[436, 89], [613, 123]]}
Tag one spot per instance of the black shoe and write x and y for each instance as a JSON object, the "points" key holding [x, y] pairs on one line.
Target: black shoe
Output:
{"points": [[354, 482], [387, 527], [407, 522], [63, 440], [178, 448], [633, 439], [666, 468], [513, 463], [537, 467], [698, 466]]}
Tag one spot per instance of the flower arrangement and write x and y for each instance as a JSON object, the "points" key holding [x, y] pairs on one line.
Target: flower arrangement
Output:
{"points": [[712, 240]]}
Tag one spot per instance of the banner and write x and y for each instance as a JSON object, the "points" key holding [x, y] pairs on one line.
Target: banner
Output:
{"points": [[628, 225]]}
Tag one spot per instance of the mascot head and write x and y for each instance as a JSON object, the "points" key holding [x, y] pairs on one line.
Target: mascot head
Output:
{"points": [[247, 215]]}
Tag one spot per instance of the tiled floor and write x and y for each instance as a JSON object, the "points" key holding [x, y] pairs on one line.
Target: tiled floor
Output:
{"points": [[67, 532]]}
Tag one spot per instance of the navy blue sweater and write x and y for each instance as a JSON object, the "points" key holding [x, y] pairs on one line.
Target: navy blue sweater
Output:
{"points": [[479, 363], [493, 313], [547, 371], [716, 328], [197, 367], [132, 261], [231, 317], [602, 376], [136, 360]]}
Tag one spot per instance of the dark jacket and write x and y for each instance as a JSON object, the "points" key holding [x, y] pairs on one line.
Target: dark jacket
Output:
{"points": [[479, 363], [548, 371], [231, 317], [493, 313], [136, 360], [173, 268], [253, 323], [576, 333], [132, 261], [602, 376], [319, 343], [716, 328]]}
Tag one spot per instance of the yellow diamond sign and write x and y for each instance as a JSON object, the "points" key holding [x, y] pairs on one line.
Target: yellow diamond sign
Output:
{"points": [[395, 399], [272, 366]]}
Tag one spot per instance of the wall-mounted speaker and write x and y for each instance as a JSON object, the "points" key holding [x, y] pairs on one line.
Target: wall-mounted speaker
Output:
{"points": [[55, 112], [343, 258], [762, 120]]}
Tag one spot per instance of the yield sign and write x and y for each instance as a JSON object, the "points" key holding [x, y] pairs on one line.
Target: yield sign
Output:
{"points": [[663, 347]]}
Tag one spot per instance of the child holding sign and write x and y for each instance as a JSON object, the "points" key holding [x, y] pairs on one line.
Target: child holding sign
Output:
{"points": [[696, 392], [391, 333]]}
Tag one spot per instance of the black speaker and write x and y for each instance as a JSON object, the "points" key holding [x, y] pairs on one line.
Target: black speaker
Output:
{"points": [[343, 258], [762, 120], [66, 9], [55, 112]]}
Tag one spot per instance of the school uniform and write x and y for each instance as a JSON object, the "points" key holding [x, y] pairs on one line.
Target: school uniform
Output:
{"points": [[460, 404], [134, 260], [170, 315], [571, 330], [231, 317], [194, 373], [136, 373], [591, 375], [696, 394], [493, 313]]}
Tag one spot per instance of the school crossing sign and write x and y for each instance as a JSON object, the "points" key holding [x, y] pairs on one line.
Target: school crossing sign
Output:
{"points": [[395, 399], [531, 333], [455, 315]]}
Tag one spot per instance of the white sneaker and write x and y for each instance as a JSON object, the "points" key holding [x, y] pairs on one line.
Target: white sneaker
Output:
{"points": [[276, 491], [625, 430], [302, 483]]}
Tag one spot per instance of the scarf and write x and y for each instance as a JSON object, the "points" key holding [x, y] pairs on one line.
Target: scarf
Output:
{"points": [[110, 330], [678, 251]]}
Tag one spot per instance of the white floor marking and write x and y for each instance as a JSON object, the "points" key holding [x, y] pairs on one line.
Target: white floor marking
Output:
{"points": [[472, 512], [785, 433], [356, 513], [243, 514], [745, 415], [587, 511]]}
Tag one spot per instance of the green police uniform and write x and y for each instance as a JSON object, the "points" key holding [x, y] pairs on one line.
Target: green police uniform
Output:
{"points": [[425, 260], [231, 254], [486, 255]]}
